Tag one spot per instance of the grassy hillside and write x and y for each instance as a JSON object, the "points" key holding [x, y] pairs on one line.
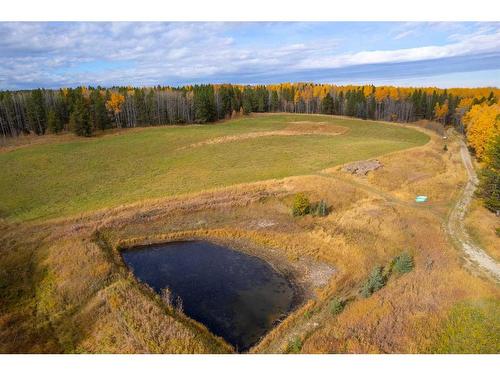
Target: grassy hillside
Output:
{"points": [[64, 286], [64, 178]]}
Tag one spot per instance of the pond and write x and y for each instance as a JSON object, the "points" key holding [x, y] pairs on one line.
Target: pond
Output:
{"points": [[236, 296]]}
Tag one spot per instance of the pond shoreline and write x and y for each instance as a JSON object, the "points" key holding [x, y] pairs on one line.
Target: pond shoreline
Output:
{"points": [[284, 272]]}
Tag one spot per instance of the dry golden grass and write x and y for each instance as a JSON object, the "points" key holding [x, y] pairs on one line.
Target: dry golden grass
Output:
{"points": [[67, 289], [427, 170], [482, 226]]}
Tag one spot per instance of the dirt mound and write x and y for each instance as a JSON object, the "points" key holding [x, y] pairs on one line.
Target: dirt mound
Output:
{"points": [[361, 168]]}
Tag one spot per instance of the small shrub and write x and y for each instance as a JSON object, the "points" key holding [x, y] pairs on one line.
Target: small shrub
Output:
{"points": [[301, 205], [166, 296], [403, 263], [336, 306], [376, 281], [322, 209], [318, 209], [179, 307], [497, 231], [294, 346], [445, 147]]}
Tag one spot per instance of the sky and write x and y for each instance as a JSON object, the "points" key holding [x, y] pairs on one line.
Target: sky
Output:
{"points": [[69, 54]]}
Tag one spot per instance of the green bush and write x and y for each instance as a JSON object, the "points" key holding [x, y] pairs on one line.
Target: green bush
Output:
{"points": [[322, 209], [445, 147], [318, 209], [301, 205], [337, 305], [376, 281], [403, 263], [294, 346]]}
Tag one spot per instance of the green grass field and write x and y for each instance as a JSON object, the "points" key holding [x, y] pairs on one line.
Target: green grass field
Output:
{"points": [[59, 179]]}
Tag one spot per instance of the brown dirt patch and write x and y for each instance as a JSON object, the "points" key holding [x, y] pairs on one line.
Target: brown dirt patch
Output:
{"points": [[296, 128]]}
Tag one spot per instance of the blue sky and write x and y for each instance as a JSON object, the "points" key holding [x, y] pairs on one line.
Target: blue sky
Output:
{"points": [[58, 54]]}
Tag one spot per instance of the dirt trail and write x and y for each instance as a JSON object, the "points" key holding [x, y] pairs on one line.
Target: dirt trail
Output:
{"points": [[456, 226]]}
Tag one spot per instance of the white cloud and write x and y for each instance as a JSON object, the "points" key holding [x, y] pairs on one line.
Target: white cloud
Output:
{"points": [[476, 43], [56, 54]]}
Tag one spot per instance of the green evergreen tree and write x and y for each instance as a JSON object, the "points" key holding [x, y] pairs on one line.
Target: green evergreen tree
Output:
{"points": [[226, 95], [204, 104], [403, 263], [98, 113], [327, 105], [350, 103], [261, 101], [376, 281], [322, 208], [79, 119], [35, 110], [247, 101], [54, 124], [372, 107], [140, 107], [274, 101]]}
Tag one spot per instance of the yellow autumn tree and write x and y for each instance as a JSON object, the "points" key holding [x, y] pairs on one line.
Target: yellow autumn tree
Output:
{"points": [[298, 97], [482, 126], [85, 92], [381, 93], [114, 104], [440, 111]]}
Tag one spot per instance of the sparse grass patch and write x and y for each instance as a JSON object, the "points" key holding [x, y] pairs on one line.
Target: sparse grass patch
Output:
{"points": [[483, 226], [470, 327], [294, 346], [337, 305]]}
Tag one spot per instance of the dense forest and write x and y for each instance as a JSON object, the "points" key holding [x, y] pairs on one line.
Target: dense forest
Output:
{"points": [[86, 110]]}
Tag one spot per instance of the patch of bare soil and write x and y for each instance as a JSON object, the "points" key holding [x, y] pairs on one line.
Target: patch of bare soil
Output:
{"points": [[262, 223], [298, 128]]}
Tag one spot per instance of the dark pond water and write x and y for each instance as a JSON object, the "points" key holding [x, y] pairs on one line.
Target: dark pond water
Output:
{"points": [[235, 295]]}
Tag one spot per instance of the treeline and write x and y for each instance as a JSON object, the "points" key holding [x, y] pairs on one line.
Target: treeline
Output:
{"points": [[84, 110]]}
